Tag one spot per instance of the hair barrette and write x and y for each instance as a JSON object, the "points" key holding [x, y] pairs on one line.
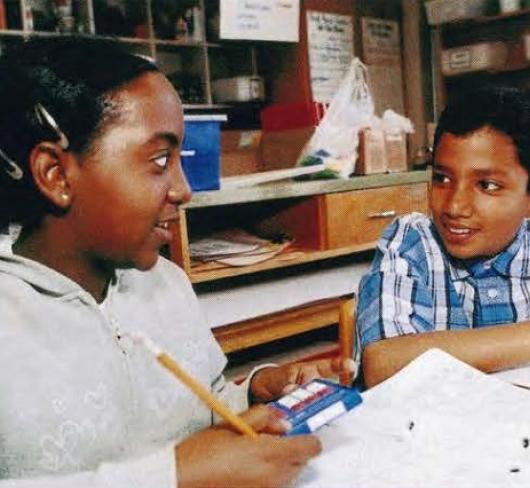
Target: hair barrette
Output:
{"points": [[15, 171], [45, 119]]}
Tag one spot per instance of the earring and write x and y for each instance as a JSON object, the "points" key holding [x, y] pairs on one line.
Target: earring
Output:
{"points": [[65, 197]]}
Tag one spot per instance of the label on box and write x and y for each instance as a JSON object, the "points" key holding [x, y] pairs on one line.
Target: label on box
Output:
{"points": [[314, 404], [460, 59]]}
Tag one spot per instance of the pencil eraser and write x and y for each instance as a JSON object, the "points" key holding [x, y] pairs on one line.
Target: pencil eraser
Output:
{"points": [[141, 339]]}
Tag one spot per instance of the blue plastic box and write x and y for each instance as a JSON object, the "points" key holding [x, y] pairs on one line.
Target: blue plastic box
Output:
{"points": [[200, 150]]}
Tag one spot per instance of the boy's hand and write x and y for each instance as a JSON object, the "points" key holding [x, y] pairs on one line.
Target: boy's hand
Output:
{"points": [[218, 457], [270, 383]]}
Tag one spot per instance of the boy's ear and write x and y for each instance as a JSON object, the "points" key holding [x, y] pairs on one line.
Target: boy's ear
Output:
{"points": [[48, 164]]}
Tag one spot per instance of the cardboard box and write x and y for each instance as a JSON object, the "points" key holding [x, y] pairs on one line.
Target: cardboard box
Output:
{"points": [[396, 152], [442, 11], [372, 153], [380, 152], [483, 56], [380, 41], [281, 149], [240, 152]]}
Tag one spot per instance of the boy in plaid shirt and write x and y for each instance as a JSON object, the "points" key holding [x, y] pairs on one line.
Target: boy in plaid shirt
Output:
{"points": [[460, 279]]}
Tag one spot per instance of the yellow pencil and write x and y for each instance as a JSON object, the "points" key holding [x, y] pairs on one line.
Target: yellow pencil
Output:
{"points": [[204, 394]]}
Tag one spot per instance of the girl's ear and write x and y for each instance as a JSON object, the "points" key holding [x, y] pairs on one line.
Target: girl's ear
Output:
{"points": [[48, 164]]}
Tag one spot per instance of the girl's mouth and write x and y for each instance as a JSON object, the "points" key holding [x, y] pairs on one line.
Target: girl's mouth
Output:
{"points": [[163, 229]]}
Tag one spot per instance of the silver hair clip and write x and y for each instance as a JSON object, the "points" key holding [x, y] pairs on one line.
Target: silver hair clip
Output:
{"points": [[46, 120], [15, 171]]}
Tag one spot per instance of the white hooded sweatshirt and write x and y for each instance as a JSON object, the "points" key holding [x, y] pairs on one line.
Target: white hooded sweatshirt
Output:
{"points": [[81, 404]]}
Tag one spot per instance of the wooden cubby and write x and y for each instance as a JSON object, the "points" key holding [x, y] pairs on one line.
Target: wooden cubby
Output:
{"points": [[147, 27], [324, 219], [510, 28]]}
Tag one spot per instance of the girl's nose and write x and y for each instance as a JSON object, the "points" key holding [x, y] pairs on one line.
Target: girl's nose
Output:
{"points": [[180, 191]]}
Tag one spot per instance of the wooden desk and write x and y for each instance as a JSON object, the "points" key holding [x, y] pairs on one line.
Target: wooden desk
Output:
{"points": [[268, 328], [326, 219]]}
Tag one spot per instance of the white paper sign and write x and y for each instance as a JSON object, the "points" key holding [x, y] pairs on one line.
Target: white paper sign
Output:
{"points": [[260, 20], [330, 45]]}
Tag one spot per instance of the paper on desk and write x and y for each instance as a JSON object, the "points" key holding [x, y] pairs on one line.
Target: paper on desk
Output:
{"points": [[517, 376], [438, 423]]}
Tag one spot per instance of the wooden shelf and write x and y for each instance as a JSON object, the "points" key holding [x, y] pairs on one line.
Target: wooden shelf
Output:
{"points": [[23, 33], [485, 19], [292, 257], [178, 43], [313, 208], [509, 28], [199, 59], [292, 189]]}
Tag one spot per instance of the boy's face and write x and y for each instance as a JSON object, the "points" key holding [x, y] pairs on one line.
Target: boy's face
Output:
{"points": [[479, 192]]}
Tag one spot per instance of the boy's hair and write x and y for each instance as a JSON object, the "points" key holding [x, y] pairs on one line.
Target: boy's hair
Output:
{"points": [[502, 108], [72, 78]]}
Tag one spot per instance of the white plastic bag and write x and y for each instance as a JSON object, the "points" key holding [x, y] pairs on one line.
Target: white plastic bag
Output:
{"points": [[336, 137]]}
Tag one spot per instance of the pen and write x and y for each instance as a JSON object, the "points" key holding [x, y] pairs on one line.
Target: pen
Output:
{"points": [[204, 394]]}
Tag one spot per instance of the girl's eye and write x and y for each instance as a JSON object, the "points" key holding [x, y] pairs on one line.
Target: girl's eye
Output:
{"points": [[489, 186], [162, 160]]}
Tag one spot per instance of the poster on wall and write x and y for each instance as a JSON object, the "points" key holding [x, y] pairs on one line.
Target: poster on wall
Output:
{"points": [[260, 20], [330, 46]]}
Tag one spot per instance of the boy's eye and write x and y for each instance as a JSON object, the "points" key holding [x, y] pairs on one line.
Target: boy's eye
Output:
{"points": [[161, 160], [489, 185], [439, 177]]}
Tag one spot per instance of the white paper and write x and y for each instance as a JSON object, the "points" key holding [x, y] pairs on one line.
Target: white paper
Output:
{"points": [[517, 376], [212, 247], [330, 45], [437, 424], [260, 20]]}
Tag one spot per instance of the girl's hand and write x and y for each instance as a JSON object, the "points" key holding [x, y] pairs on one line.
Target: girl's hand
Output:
{"points": [[270, 383], [218, 457]]}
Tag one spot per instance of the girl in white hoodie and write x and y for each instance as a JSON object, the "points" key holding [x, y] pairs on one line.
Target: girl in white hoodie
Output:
{"points": [[90, 172]]}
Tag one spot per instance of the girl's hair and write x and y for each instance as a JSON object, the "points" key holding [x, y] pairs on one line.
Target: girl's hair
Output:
{"points": [[51, 86]]}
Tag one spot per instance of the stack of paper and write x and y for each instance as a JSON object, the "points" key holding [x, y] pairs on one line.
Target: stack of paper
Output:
{"points": [[233, 247], [437, 424]]}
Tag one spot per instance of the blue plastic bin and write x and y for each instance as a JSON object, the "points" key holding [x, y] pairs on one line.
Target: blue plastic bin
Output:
{"points": [[200, 150]]}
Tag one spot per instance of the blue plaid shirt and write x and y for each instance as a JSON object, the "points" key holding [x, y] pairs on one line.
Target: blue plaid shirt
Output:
{"points": [[413, 286]]}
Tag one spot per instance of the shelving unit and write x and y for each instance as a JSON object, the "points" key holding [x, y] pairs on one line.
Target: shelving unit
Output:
{"points": [[510, 28], [188, 61], [324, 219]]}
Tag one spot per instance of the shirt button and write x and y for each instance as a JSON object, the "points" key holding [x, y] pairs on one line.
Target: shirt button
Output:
{"points": [[487, 265], [492, 293]]}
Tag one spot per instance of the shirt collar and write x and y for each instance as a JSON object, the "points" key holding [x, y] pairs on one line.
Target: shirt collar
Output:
{"points": [[501, 262]]}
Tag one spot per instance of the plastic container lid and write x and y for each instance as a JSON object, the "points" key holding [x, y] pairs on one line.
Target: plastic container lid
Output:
{"points": [[205, 118]]}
